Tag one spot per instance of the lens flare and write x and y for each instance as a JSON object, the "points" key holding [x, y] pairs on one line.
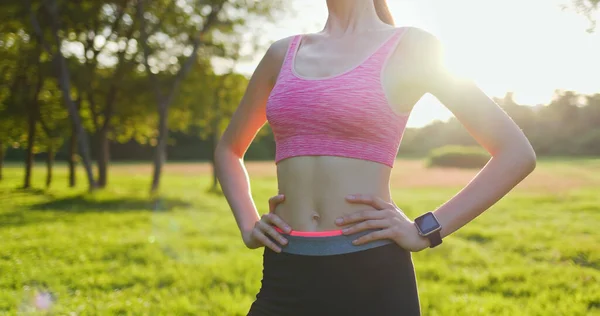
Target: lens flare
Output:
{"points": [[36, 300], [172, 230]]}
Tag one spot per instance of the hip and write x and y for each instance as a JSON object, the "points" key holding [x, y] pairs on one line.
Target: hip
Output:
{"points": [[324, 276]]}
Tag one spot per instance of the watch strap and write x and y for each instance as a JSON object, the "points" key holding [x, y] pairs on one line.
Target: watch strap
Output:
{"points": [[434, 239]]}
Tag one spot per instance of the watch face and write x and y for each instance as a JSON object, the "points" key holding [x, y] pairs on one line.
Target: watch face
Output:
{"points": [[427, 223]]}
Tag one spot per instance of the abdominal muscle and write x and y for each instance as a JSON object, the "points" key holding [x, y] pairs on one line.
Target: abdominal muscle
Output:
{"points": [[315, 189]]}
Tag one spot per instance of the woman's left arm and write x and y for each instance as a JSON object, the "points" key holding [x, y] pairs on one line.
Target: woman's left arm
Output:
{"points": [[513, 157]]}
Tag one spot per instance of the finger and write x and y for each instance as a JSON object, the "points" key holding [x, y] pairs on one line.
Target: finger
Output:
{"points": [[374, 201], [260, 236], [269, 230], [274, 219], [360, 216], [377, 235], [274, 201], [370, 224]]}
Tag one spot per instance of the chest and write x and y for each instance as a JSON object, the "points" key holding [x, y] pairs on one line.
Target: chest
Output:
{"points": [[324, 60], [379, 63], [316, 56], [328, 106]]}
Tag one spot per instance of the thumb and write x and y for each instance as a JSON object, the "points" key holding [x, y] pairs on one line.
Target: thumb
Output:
{"points": [[274, 201]]}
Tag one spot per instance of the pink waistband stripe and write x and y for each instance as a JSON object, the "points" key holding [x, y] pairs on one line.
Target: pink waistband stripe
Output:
{"points": [[327, 233]]}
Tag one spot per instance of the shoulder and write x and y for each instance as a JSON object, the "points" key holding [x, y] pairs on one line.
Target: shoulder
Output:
{"points": [[270, 65], [273, 59], [420, 44], [420, 35], [421, 54], [278, 49]]}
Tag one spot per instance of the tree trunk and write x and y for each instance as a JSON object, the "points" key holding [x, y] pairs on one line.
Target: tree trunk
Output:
{"points": [[33, 112], [1, 159], [103, 158], [216, 134], [49, 165], [103, 141], [165, 100], [31, 124], [216, 137], [64, 81], [84, 147], [72, 156], [160, 154]]}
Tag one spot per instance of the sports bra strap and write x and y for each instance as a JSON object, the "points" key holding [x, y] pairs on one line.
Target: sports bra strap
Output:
{"points": [[382, 55], [289, 56]]}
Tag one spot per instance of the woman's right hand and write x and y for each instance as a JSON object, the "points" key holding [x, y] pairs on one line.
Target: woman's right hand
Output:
{"points": [[264, 227]]}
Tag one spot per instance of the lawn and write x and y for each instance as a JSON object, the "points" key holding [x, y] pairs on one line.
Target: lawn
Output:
{"points": [[537, 252]]}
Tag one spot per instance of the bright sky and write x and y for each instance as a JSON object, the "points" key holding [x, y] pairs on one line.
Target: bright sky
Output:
{"points": [[530, 47]]}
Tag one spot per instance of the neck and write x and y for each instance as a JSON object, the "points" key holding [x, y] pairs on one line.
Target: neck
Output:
{"points": [[352, 16]]}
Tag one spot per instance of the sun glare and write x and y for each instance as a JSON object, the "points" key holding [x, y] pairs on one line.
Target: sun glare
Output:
{"points": [[528, 47], [531, 48]]}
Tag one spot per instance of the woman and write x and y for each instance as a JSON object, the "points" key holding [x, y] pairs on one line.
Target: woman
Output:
{"points": [[338, 101]]}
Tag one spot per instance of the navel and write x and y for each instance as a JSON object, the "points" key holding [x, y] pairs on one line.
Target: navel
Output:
{"points": [[316, 217]]}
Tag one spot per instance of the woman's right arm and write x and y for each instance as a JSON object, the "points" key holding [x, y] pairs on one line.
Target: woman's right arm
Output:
{"points": [[245, 123]]}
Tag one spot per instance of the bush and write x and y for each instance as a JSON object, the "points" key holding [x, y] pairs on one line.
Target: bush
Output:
{"points": [[458, 157]]}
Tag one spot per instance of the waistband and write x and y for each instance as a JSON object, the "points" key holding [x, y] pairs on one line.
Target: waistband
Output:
{"points": [[327, 243]]}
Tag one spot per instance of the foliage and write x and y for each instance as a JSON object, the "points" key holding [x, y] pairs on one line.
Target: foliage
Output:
{"points": [[568, 126], [588, 8], [198, 106], [16, 78], [90, 54], [195, 31], [458, 156], [55, 124]]}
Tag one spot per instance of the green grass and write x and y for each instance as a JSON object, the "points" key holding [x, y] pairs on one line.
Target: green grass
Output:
{"points": [[116, 253]]}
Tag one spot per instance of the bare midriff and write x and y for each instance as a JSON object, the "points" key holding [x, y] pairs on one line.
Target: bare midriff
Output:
{"points": [[315, 189]]}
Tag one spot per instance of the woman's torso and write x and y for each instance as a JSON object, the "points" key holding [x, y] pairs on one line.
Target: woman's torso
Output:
{"points": [[315, 186], [315, 189]]}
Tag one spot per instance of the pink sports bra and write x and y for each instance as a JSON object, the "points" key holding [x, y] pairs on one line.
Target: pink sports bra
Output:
{"points": [[345, 115]]}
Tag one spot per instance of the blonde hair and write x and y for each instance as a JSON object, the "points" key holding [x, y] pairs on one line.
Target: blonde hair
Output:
{"points": [[383, 11]]}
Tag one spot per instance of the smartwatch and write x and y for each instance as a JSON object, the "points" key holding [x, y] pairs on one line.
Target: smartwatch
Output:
{"points": [[428, 226]]}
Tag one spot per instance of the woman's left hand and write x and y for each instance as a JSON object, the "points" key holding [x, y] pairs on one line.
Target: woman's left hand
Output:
{"points": [[394, 224]]}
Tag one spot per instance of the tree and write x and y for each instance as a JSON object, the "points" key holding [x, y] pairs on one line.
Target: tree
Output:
{"points": [[72, 156], [98, 25], [33, 111], [205, 104], [17, 70], [209, 108], [50, 11], [30, 97], [11, 132], [21, 104], [194, 28], [54, 123]]}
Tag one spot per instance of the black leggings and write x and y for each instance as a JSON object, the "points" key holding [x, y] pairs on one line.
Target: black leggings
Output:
{"points": [[374, 282]]}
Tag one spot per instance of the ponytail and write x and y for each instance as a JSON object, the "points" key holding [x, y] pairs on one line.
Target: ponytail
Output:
{"points": [[383, 11]]}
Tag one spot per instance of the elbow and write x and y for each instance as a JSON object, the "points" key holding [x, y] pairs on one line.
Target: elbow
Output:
{"points": [[531, 161], [221, 150], [223, 154], [520, 157], [528, 159], [218, 154]]}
